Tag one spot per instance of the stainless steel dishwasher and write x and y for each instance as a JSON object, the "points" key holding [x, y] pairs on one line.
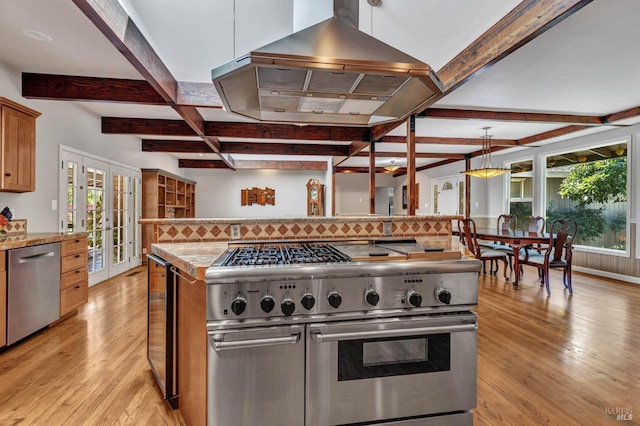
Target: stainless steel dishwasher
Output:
{"points": [[33, 289]]}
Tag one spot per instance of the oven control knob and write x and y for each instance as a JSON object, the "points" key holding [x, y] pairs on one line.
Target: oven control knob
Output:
{"points": [[288, 306], [414, 298], [238, 305], [334, 299], [443, 295], [372, 297], [308, 301], [267, 303]]}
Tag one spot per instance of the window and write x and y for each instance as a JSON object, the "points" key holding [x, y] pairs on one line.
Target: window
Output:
{"points": [[590, 185], [521, 189]]}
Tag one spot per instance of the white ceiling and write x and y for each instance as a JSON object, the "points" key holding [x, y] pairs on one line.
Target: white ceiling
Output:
{"points": [[587, 64]]}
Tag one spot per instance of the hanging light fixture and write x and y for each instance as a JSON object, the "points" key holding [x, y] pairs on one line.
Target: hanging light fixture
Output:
{"points": [[582, 158], [392, 167], [619, 151], [486, 171]]}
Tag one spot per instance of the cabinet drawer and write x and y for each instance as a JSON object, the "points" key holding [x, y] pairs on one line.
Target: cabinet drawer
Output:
{"points": [[72, 262], [3, 260], [77, 245], [73, 297], [71, 278]]}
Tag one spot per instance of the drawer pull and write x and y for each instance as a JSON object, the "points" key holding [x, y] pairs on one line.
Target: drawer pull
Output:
{"points": [[77, 241], [77, 271], [77, 256], [7, 174], [77, 286]]}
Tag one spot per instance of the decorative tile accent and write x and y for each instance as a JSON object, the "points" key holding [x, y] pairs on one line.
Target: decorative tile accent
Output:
{"points": [[15, 226], [199, 230]]}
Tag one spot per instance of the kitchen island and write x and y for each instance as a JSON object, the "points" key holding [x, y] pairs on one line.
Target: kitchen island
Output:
{"points": [[195, 303]]}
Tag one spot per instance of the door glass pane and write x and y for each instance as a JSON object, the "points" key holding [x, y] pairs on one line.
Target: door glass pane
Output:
{"points": [[73, 189], [119, 223], [95, 217], [135, 214]]}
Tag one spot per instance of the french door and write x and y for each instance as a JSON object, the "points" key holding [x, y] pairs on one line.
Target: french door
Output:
{"points": [[103, 200]]}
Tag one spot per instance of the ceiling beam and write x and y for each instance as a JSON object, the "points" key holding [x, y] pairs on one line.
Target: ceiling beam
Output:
{"points": [[418, 155], [147, 126], [175, 145], [524, 23], [530, 117], [254, 164], [448, 141], [621, 115], [283, 148], [358, 169], [115, 24]]}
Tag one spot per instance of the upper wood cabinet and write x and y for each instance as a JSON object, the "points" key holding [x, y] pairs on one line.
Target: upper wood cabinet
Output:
{"points": [[18, 147]]}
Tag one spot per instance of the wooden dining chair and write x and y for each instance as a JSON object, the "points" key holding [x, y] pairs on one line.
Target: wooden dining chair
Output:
{"points": [[536, 225], [468, 237], [556, 254], [505, 223]]}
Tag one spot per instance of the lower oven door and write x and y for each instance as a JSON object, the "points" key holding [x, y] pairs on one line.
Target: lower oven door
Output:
{"points": [[390, 369], [256, 376]]}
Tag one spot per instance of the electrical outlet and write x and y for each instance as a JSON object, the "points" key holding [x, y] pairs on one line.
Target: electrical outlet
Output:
{"points": [[235, 232], [386, 229]]}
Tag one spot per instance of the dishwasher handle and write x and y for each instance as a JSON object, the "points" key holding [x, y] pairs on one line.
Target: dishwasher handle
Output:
{"points": [[219, 345], [373, 334], [35, 257]]}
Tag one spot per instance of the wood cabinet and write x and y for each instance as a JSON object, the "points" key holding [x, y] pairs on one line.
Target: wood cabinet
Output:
{"points": [[74, 276], [3, 298], [18, 147], [164, 195]]}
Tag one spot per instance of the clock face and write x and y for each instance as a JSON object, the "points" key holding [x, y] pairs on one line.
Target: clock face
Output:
{"points": [[313, 194]]}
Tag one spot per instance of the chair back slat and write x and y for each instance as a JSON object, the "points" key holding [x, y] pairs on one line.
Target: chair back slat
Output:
{"points": [[533, 224], [562, 233], [467, 228], [506, 222]]}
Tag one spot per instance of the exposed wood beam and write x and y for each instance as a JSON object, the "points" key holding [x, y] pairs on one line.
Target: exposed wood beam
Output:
{"points": [[286, 131], [144, 126], [253, 164], [411, 166], [379, 130], [524, 23], [418, 155], [621, 115], [113, 21], [283, 148], [535, 117], [76, 88], [372, 178], [175, 145], [448, 141]]}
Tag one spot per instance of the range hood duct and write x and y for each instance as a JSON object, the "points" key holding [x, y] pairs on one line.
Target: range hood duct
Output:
{"points": [[329, 73]]}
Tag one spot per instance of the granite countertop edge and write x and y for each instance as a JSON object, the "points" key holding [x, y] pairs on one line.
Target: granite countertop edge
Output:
{"points": [[10, 242]]}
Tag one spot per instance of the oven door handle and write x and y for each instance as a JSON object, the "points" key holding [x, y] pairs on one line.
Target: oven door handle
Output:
{"points": [[220, 345], [373, 334]]}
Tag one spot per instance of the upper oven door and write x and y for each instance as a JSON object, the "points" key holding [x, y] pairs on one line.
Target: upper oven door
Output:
{"points": [[361, 371]]}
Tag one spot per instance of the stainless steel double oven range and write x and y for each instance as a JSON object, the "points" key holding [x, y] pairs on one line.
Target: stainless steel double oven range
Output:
{"points": [[315, 339]]}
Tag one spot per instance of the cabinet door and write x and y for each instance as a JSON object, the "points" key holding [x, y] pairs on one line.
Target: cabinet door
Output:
{"points": [[18, 151]]}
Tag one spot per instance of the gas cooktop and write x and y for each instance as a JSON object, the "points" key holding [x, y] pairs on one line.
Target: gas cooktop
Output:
{"points": [[281, 254]]}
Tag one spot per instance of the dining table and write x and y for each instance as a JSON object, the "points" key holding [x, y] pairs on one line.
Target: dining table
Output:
{"points": [[516, 239]]}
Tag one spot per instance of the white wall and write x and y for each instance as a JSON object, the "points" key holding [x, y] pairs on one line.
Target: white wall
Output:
{"points": [[218, 192], [68, 124], [352, 189]]}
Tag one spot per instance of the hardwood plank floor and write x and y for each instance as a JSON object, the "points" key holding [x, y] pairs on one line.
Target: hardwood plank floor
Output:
{"points": [[559, 360]]}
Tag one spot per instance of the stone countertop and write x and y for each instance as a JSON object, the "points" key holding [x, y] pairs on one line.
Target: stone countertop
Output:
{"points": [[35, 238], [194, 258]]}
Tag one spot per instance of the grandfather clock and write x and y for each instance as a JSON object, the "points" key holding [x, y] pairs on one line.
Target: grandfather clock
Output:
{"points": [[315, 198]]}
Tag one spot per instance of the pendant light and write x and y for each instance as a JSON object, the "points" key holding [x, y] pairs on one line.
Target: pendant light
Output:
{"points": [[486, 171], [392, 167]]}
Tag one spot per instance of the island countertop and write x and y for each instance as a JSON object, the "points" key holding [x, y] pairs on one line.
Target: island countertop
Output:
{"points": [[193, 258]]}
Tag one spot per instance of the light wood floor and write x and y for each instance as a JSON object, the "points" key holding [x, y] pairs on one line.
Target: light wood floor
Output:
{"points": [[556, 360]]}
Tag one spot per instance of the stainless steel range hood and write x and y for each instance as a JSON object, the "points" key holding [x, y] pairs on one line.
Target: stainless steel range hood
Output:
{"points": [[329, 73]]}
